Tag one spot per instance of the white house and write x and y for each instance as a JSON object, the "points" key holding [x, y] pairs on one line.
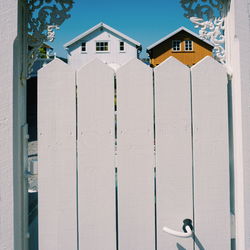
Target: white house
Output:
{"points": [[102, 42]]}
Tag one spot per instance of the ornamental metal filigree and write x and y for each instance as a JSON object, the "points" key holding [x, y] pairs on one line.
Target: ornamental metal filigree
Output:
{"points": [[43, 18], [209, 16]]}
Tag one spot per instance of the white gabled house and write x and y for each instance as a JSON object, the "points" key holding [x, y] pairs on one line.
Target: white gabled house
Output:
{"points": [[102, 42]]}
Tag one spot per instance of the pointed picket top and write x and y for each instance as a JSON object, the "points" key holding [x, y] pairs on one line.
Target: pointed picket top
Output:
{"points": [[170, 61], [134, 65], [135, 156], [56, 137], [173, 150], [209, 65], [96, 140], [93, 65], [54, 64], [210, 154]]}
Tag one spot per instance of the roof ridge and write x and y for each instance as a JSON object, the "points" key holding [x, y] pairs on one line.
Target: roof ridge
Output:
{"points": [[174, 33], [101, 24]]}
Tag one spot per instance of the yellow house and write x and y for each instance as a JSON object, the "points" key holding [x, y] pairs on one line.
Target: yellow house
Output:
{"points": [[183, 44]]}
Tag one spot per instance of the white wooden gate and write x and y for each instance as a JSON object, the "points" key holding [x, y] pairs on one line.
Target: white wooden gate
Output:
{"points": [[113, 174]]}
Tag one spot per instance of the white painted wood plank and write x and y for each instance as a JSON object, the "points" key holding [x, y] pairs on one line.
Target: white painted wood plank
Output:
{"points": [[57, 157], [135, 157], [173, 152], [96, 169], [211, 164], [8, 130], [237, 43]]}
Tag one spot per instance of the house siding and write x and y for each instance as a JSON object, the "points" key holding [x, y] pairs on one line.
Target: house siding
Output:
{"points": [[164, 50]]}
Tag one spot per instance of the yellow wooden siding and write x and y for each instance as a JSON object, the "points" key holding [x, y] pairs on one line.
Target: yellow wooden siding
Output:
{"points": [[164, 50]]}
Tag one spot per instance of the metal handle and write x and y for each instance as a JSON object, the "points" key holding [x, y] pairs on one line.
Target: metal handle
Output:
{"points": [[187, 228]]}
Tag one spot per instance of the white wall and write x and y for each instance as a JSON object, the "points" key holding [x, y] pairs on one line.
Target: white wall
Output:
{"points": [[77, 58], [12, 120], [8, 33]]}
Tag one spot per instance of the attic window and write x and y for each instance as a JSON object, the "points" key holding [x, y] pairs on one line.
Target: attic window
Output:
{"points": [[176, 45], [122, 48], [83, 46], [188, 45], [102, 46]]}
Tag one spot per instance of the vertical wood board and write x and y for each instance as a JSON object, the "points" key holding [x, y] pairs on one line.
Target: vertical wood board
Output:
{"points": [[237, 39], [57, 157], [96, 170], [135, 157], [211, 159], [173, 152], [9, 77]]}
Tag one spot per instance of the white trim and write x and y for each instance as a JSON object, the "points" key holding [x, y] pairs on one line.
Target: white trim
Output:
{"points": [[174, 33], [97, 27]]}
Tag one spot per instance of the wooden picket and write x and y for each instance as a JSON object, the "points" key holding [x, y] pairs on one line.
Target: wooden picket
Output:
{"points": [[57, 157], [135, 157], [96, 169], [211, 157], [102, 188], [173, 151]]}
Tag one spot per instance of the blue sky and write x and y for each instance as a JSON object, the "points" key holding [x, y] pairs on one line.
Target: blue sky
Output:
{"points": [[145, 21]]}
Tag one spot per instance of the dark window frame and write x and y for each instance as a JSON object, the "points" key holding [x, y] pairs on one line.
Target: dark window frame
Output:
{"points": [[122, 46], [102, 46], [176, 45], [83, 47], [188, 45]]}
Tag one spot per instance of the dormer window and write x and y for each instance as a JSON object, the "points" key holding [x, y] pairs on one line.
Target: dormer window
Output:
{"points": [[102, 46], [83, 47], [188, 45], [122, 47], [176, 45]]}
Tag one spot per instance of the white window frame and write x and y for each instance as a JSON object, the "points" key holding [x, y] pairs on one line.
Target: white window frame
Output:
{"points": [[173, 47], [185, 47], [84, 51], [102, 51], [122, 51]]}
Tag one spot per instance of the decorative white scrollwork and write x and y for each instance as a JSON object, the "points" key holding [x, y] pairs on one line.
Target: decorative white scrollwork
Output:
{"points": [[209, 16], [43, 18], [51, 32]]}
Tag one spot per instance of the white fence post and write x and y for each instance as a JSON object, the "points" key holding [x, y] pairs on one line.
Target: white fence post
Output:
{"points": [[96, 147], [211, 157], [237, 40], [173, 151], [135, 157], [57, 157]]}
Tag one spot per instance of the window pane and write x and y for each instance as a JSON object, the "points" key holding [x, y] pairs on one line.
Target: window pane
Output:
{"points": [[121, 46], [101, 46], [176, 45], [97, 46], [83, 46], [188, 45], [106, 46]]}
